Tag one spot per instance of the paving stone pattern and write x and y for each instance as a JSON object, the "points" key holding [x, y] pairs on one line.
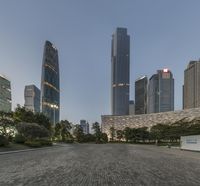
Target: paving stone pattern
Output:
{"points": [[101, 164]]}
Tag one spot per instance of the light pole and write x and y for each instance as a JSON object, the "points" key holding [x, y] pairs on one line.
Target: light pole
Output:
{"points": [[54, 113]]}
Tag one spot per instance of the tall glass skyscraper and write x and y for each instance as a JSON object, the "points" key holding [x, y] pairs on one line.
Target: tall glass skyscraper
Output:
{"points": [[141, 95], [32, 98], [120, 70], [161, 92], [50, 86], [5, 94]]}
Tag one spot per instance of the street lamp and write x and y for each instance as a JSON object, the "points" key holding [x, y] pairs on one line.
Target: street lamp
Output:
{"points": [[54, 110]]}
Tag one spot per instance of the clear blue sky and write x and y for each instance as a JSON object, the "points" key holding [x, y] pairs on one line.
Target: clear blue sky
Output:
{"points": [[164, 33]]}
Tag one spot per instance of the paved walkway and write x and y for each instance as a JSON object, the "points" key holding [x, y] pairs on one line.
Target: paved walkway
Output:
{"points": [[101, 164]]}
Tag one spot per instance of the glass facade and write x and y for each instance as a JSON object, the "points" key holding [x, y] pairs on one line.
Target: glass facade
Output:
{"points": [[85, 126], [161, 92], [120, 70], [50, 86], [5, 94], [141, 95], [32, 98]]}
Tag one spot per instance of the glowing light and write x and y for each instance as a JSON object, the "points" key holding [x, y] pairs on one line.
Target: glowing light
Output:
{"points": [[165, 70]]}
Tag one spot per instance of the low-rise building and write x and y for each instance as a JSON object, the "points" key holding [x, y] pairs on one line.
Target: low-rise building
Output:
{"points": [[190, 142]]}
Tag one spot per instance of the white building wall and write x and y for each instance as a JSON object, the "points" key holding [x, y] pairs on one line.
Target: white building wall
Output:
{"points": [[190, 142]]}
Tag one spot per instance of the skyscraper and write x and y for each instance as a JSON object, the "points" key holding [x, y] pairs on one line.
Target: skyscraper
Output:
{"points": [[120, 70], [50, 86], [85, 126], [32, 98], [161, 92], [191, 88], [5, 94], [141, 95]]}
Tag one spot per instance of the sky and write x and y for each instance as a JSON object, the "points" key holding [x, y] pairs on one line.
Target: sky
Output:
{"points": [[163, 34]]}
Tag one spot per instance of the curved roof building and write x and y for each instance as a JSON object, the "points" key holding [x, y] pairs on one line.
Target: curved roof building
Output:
{"points": [[50, 86]]}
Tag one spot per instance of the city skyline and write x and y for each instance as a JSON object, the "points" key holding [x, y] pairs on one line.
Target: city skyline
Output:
{"points": [[169, 42]]}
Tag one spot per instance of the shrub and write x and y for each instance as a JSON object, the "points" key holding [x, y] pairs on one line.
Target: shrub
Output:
{"points": [[44, 141], [19, 138], [3, 141], [69, 141], [104, 138], [32, 130], [33, 143]]}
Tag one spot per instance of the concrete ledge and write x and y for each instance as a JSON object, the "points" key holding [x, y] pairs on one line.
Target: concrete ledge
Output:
{"points": [[26, 150]]}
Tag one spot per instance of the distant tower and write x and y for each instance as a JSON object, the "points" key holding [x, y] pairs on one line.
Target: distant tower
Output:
{"points": [[120, 66], [161, 92], [32, 98], [191, 88], [85, 126], [50, 86], [141, 95], [5, 94], [131, 107]]}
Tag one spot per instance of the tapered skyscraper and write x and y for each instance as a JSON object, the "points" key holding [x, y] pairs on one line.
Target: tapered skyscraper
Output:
{"points": [[120, 67], [50, 88]]}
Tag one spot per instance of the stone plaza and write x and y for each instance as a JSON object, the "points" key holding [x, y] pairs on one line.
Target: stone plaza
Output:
{"points": [[101, 164]]}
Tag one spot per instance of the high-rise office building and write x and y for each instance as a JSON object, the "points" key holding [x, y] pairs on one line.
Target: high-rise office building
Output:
{"points": [[191, 88], [32, 98], [5, 94], [131, 107], [161, 92], [120, 66], [141, 95], [85, 126], [50, 86]]}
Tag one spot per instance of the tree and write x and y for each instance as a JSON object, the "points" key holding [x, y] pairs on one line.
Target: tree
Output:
{"points": [[141, 134], [104, 137], [112, 133], [42, 120], [21, 114], [120, 134], [89, 138], [127, 134], [78, 133], [65, 130], [7, 125], [57, 133], [32, 131], [62, 130], [97, 132], [158, 132]]}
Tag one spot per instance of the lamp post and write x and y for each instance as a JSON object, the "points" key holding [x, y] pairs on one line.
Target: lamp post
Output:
{"points": [[54, 113]]}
